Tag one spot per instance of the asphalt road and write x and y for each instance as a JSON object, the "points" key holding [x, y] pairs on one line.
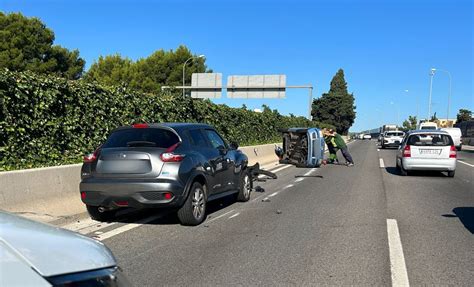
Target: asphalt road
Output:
{"points": [[336, 225]]}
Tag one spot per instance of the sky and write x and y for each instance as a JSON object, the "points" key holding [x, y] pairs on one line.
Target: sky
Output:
{"points": [[386, 48]]}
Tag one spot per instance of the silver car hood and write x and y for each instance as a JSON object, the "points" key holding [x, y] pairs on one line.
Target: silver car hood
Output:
{"points": [[50, 250]]}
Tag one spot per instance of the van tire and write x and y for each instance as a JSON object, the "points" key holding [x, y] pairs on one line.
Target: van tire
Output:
{"points": [[451, 173]]}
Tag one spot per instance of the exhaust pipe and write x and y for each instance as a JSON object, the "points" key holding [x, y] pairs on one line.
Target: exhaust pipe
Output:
{"points": [[102, 209]]}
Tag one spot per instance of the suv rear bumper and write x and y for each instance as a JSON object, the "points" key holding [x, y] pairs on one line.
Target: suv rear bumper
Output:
{"points": [[113, 193]]}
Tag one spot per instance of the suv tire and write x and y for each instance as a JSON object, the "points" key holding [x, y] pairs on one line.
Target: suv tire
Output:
{"points": [[245, 187], [193, 211], [451, 173], [104, 216]]}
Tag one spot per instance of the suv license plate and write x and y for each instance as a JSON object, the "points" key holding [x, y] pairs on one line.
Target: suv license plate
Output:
{"points": [[430, 151]]}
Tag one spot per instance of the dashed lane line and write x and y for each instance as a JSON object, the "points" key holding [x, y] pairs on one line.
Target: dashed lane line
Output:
{"points": [[382, 164], [235, 215], [220, 216], [397, 259], [468, 164]]}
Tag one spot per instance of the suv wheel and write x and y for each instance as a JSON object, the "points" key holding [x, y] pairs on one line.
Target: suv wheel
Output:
{"points": [[193, 212], [103, 216], [245, 187], [451, 173]]}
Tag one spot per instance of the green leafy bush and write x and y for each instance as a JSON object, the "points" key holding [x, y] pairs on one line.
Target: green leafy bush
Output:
{"points": [[47, 120]]}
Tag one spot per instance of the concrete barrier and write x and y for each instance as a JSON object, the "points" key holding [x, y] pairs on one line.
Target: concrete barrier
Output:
{"points": [[51, 193]]}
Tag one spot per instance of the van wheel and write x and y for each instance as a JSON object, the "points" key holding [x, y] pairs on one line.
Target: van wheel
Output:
{"points": [[245, 187], [193, 211], [451, 173], [104, 216]]}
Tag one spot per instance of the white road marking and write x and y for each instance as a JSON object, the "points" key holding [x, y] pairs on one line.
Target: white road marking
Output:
{"points": [[75, 226], [95, 227], [308, 173], [217, 217], [273, 194], [276, 170], [288, 186], [237, 214], [126, 228], [397, 259], [299, 179], [258, 197], [471, 165], [382, 165], [378, 149]]}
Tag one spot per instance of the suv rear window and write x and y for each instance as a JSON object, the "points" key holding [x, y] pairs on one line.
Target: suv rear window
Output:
{"points": [[430, 139], [147, 137]]}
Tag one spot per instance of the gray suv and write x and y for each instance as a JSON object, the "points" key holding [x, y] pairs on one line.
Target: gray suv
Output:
{"points": [[180, 166]]}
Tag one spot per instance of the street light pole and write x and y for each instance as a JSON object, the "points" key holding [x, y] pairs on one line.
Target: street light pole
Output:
{"points": [[449, 95], [184, 68], [431, 90]]}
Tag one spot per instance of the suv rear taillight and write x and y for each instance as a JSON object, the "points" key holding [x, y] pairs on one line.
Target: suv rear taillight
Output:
{"points": [[453, 153], [407, 151], [170, 156], [140, 126], [89, 158]]}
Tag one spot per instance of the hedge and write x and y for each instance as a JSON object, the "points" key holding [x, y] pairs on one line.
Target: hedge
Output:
{"points": [[48, 121]]}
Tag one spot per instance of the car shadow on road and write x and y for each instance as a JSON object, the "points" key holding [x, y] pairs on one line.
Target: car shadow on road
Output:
{"points": [[168, 217], [393, 170], [465, 215]]}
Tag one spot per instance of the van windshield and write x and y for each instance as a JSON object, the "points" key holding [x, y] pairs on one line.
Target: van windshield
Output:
{"points": [[430, 139]]}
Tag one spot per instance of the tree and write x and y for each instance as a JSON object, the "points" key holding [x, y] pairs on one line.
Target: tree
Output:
{"points": [[147, 74], [434, 117], [410, 123], [27, 44], [464, 115], [111, 70], [335, 107]]}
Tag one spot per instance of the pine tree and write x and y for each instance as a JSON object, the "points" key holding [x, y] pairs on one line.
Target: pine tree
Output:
{"points": [[336, 107]]}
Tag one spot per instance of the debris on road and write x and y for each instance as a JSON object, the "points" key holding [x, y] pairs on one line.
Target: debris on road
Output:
{"points": [[266, 199], [278, 211], [259, 189]]}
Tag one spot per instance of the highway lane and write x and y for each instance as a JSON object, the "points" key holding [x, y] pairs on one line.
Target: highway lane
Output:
{"points": [[435, 216], [326, 226]]}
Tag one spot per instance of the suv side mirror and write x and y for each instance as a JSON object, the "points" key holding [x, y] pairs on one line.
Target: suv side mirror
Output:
{"points": [[234, 145], [222, 150]]}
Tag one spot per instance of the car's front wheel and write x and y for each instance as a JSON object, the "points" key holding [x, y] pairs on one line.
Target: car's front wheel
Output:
{"points": [[245, 187], [193, 211], [103, 216]]}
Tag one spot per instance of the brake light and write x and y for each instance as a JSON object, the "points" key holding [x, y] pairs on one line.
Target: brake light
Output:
{"points": [[83, 195], [170, 156], [407, 151], [453, 153], [168, 195], [140, 126], [91, 157]]}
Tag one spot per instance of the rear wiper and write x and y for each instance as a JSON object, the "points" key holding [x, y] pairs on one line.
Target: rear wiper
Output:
{"points": [[140, 143]]}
